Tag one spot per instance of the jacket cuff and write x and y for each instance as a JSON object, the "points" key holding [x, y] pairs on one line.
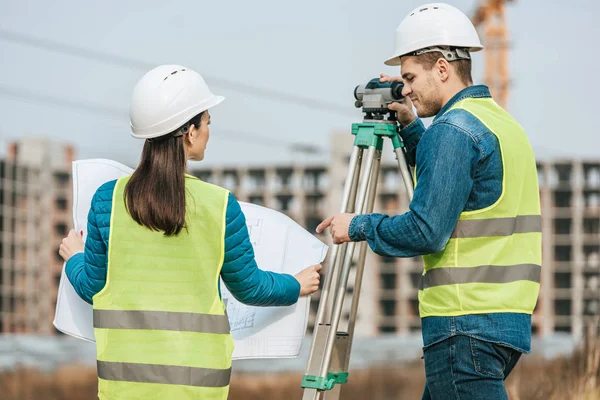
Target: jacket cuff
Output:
{"points": [[74, 260], [357, 228], [295, 294], [412, 132]]}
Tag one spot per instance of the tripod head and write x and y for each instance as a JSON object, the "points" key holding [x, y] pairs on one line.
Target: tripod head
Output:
{"points": [[375, 96]]}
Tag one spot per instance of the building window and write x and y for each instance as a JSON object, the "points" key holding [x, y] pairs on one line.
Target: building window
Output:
{"points": [[562, 226], [591, 281], [387, 329], [62, 177], [61, 203], [591, 225], [415, 279], [61, 229], [562, 253], [388, 307], [564, 173], [258, 200], [255, 180], [562, 280], [283, 202], [563, 329], [591, 252], [388, 281], [231, 180], [562, 307], [591, 307], [311, 223], [562, 199], [388, 260], [284, 179], [592, 175]]}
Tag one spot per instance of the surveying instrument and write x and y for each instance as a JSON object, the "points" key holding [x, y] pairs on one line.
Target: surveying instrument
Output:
{"points": [[330, 349]]}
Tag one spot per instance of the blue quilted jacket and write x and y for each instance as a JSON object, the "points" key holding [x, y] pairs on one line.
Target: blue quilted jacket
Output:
{"points": [[250, 285]]}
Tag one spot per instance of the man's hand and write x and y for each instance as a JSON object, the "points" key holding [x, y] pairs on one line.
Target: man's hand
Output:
{"points": [[340, 224], [404, 108]]}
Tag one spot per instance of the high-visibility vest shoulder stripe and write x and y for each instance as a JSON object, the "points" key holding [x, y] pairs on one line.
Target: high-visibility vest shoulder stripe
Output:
{"points": [[160, 325], [492, 262]]}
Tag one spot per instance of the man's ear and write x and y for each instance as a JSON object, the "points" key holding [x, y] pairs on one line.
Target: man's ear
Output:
{"points": [[443, 69]]}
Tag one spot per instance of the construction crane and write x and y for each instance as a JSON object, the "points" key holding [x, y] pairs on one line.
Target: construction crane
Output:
{"points": [[488, 18]]}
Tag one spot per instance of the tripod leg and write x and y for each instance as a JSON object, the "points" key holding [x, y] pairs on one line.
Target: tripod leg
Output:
{"points": [[344, 246], [320, 357], [341, 357], [405, 172], [342, 284], [348, 195], [362, 254], [322, 322]]}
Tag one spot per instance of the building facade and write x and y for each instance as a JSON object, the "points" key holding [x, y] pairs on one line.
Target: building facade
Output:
{"points": [[35, 214], [35, 207]]}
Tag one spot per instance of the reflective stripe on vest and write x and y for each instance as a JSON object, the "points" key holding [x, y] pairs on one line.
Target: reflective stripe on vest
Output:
{"points": [[482, 274], [492, 261], [161, 320], [160, 325], [497, 226], [166, 374]]}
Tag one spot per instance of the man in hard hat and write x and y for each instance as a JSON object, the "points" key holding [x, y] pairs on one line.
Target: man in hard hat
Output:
{"points": [[475, 215]]}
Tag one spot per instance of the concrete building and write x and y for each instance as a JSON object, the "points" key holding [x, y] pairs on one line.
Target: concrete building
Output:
{"points": [[570, 197], [35, 207]]}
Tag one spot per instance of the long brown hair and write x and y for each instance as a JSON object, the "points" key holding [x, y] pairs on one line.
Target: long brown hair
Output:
{"points": [[155, 193]]}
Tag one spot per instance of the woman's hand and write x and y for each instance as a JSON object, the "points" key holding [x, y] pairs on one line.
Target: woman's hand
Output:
{"points": [[70, 245], [309, 279]]}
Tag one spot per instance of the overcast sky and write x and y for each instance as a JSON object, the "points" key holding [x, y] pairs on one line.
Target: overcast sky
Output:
{"points": [[298, 63]]}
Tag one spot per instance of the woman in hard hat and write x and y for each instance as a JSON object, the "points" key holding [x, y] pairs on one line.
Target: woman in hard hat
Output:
{"points": [[158, 241]]}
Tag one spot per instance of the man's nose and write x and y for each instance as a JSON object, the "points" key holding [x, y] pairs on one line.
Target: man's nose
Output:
{"points": [[406, 90]]}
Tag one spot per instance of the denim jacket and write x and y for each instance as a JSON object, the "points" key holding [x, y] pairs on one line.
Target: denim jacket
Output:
{"points": [[459, 168]]}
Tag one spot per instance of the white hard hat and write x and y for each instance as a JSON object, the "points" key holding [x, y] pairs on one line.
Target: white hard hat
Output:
{"points": [[166, 98], [434, 25]]}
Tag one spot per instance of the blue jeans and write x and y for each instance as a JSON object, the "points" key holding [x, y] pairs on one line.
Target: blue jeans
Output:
{"points": [[464, 368]]}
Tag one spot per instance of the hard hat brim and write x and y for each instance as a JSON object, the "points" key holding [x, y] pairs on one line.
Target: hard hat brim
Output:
{"points": [[143, 133], [392, 61], [395, 59]]}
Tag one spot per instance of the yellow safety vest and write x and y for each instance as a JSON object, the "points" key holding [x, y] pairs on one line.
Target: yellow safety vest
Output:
{"points": [[160, 325], [492, 262]]}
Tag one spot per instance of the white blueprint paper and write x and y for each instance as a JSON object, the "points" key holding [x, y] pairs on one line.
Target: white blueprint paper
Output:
{"points": [[280, 245]]}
